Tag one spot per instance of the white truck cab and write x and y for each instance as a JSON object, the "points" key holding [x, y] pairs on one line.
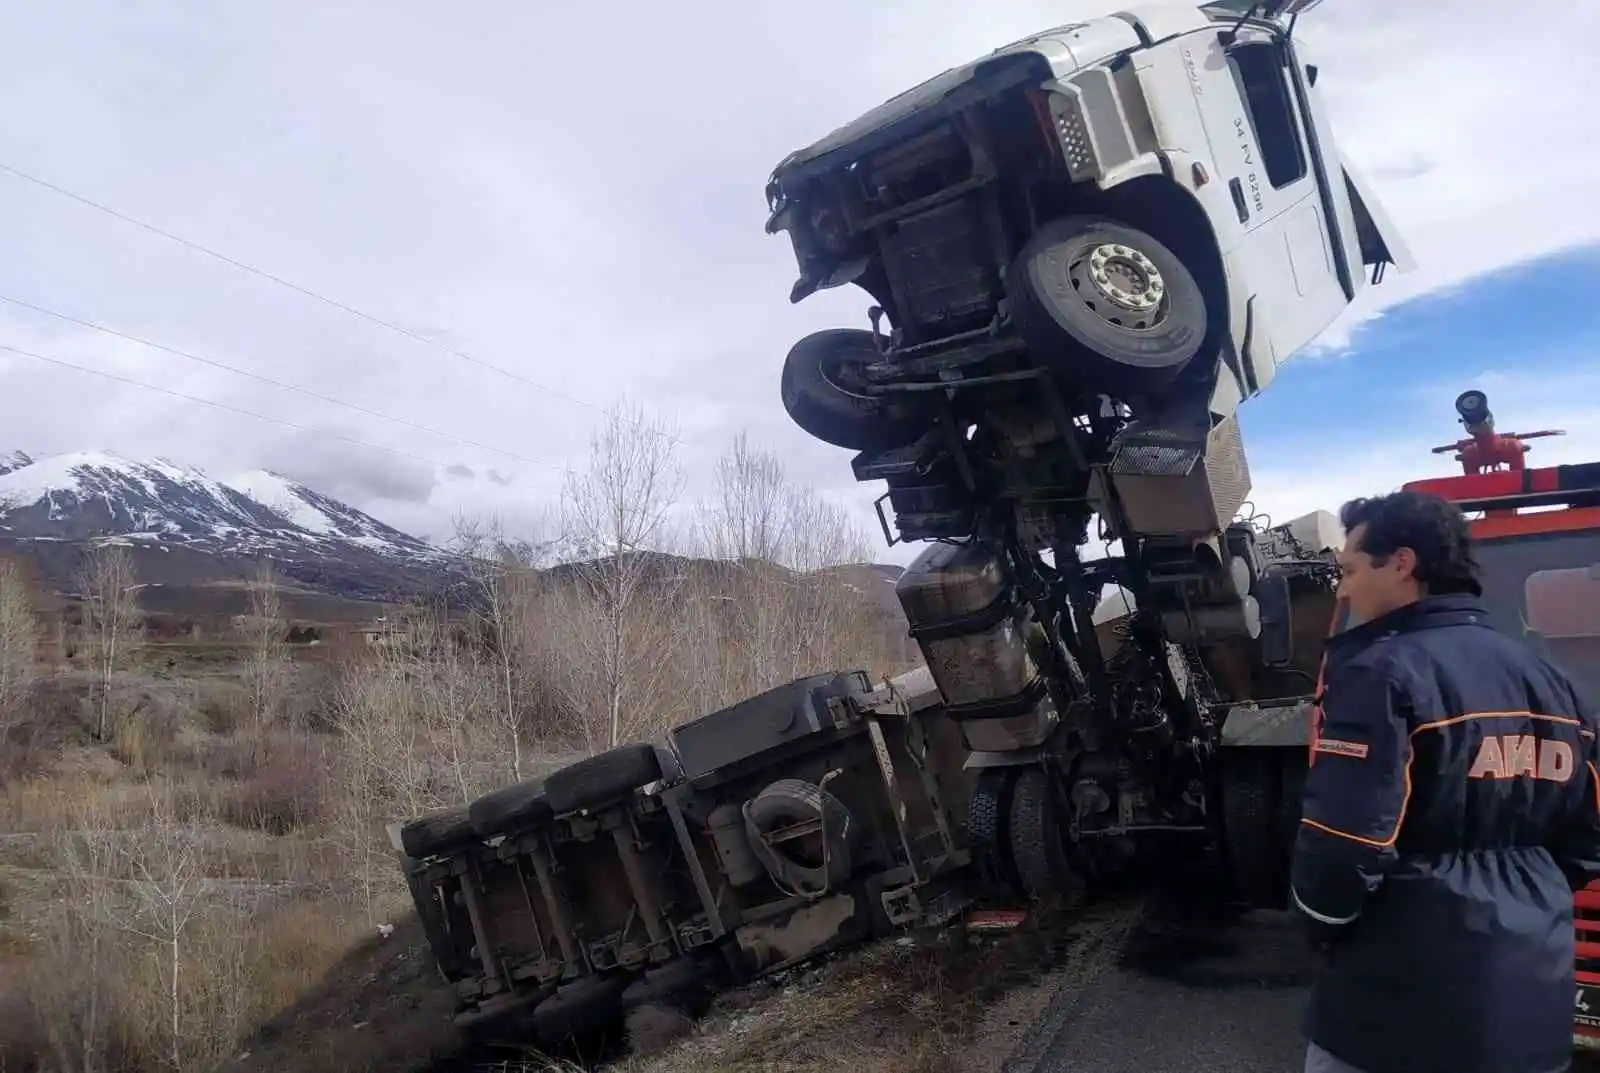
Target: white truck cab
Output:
{"points": [[1151, 203], [1242, 123]]}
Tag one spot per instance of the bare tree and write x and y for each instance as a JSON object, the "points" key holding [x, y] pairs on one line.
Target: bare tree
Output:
{"points": [[76, 1001], [616, 518], [19, 638], [166, 896], [792, 606], [838, 621], [409, 718], [266, 668], [384, 767], [748, 516], [502, 573], [111, 622]]}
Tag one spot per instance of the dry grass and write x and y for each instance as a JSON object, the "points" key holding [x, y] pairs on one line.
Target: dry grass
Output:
{"points": [[189, 851], [102, 996], [908, 1005]]}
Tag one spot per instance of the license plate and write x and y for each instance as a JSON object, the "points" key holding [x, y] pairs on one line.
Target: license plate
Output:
{"points": [[1586, 1006]]}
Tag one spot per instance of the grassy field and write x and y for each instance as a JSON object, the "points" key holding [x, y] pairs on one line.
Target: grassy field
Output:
{"points": [[193, 853]]}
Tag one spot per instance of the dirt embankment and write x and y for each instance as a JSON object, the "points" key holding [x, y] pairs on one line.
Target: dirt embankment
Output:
{"points": [[382, 1009], [956, 1001]]}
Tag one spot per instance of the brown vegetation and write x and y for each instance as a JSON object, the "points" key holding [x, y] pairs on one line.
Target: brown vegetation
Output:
{"points": [[185, 849], [909, 1005]]}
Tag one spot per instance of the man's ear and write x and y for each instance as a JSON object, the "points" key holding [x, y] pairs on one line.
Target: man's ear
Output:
{"points": [[1405, 561]]}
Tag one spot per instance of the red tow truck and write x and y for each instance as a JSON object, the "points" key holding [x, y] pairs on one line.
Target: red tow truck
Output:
{"points": [[1537, 533]]}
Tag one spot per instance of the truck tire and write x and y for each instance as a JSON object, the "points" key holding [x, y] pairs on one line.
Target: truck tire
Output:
{"points": [[988, 830], [583, 1006], [678, 981], [793, 801], [438, 833], [518, 807], [1108, 305], [821, 393], [1038, 837], [1253, 825], [509, 1019], [603, 778]]}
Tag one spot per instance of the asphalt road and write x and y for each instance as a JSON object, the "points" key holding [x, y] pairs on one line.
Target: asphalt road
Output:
{"points": [[1157, 990], [1160, 992]]}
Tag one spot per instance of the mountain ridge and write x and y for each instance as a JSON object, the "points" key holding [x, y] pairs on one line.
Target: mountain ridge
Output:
{"points": [[197, 537], [187, 528]]}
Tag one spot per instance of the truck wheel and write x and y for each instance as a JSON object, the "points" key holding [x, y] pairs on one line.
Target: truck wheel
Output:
{"points": [[821, 386], [806, 865], [506, 1020], [988, 828], [675, 983], [581, 1007], [1039, 842], [603, 778], [511, 808], [1252, 819], [438, 833], [1106, 303]]}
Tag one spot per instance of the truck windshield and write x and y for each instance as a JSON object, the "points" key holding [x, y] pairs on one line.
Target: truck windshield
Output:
{"points": [[1545, 589]]}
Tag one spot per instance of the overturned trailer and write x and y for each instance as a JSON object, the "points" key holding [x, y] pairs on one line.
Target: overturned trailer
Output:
{"points": [[813, 816]]}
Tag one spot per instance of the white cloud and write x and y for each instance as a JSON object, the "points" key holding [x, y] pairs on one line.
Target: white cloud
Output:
{"points": [[584, 206], [1322, 472], [1473, 121]]}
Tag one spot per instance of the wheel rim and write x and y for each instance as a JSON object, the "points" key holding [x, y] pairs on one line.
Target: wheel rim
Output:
{"points": [[1120, 285]]}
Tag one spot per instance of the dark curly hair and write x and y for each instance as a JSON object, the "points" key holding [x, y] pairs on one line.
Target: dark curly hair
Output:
{"points": [[1433, 528]]}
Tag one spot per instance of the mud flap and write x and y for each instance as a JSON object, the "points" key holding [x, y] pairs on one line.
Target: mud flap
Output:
{"points": [[1253, 725]]}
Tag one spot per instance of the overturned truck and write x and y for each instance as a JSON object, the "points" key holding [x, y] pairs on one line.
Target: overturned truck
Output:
{"points": [[1085, 251], [812, 817]]}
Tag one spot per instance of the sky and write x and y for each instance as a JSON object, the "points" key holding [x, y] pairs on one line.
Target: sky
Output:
{"points": [[581, 211]]}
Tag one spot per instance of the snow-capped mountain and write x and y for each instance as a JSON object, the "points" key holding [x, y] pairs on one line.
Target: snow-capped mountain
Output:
{"points": [[164, 506]]}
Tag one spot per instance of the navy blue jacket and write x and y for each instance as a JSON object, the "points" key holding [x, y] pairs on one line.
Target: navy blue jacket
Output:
{"points": [[1451, 809]]}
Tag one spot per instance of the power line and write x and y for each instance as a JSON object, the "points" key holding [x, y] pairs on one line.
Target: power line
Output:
{"points": [[226, 406], [306, 291], [284, 385]]}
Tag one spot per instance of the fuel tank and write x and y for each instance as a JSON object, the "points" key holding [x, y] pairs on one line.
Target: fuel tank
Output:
{"points": [[973, 632]]}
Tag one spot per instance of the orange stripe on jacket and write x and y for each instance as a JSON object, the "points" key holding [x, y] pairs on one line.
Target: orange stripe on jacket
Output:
{"points": [[1405, 801]]}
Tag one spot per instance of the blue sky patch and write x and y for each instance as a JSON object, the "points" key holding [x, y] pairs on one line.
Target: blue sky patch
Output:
{"points": [[1398, 377]]}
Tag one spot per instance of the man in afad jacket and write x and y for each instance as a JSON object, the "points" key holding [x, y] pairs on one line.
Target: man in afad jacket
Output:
{"points": [[1450, 812]]}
